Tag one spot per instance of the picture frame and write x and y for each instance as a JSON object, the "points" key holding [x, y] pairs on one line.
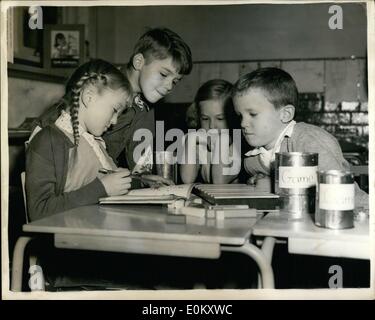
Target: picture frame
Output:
{"points": [[27, 42], [63, 46], [25, 46]]}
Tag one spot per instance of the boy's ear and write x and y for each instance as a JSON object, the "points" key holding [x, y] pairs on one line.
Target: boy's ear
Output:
{"points": [[138, 61], [287, 113]]}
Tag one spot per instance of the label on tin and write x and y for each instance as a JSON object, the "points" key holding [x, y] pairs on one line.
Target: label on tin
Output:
{"points": [[336, 196], [298, 177]]}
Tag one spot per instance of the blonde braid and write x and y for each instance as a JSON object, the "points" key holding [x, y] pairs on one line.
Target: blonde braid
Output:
{"points": [[75, 101]]}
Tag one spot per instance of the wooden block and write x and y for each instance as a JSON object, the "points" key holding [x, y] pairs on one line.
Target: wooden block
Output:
{"points": [[222, 207], [194, 212], [345, 80], [176, 204], [308, 75], [231, 213]]}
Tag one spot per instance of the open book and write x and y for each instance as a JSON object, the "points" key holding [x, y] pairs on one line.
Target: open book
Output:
{"points": [[165, 194]]}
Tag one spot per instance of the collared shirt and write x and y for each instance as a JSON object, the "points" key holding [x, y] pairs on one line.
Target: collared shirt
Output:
{"points": [[138, 101], [268, 156], [145, 161], [120, 138]]}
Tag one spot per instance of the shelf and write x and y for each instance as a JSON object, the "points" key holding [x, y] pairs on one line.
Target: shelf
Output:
{"points": [[34, 73], [18, 134]]}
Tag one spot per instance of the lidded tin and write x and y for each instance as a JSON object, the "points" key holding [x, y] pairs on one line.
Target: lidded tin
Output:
{"points": [[295, 182], [335, 200]]}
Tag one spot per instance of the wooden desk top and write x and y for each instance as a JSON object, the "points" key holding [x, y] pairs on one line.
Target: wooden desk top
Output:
{"points": [[278, 225], [304, 237], [142, 221]]}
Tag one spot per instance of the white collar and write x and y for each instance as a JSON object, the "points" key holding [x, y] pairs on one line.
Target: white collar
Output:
{"points": [[287, 132], [64, 122], [140, 103]]}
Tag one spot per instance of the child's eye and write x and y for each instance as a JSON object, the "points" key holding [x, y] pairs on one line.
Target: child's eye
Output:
{"points": [[220, 118], [204, 119], [163, 75], [253, 114]]}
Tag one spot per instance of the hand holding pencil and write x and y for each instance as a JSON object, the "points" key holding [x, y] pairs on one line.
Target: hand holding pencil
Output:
{"points": [[126, 177], [116, 182]]}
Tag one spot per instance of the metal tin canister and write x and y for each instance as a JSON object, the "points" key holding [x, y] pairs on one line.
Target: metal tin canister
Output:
{"points": [[166, 165], [296, 175], [335, 200]]}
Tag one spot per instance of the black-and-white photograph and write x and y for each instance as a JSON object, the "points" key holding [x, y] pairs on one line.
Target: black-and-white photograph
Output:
{"points": [[64, 48], [189, 148]]}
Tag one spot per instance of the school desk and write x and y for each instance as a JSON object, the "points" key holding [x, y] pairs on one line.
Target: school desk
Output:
{"points": [[143, 229], [304, 237]]}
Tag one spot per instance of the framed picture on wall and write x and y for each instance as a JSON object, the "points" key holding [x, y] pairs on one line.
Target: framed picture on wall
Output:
{"points": [[63, 45], [27, 42]]}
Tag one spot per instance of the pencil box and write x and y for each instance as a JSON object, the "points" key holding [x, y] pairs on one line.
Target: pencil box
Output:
{"points": [[232, 194]]}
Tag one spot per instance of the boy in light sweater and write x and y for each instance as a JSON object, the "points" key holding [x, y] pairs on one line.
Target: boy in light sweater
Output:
{"points": [[266, 100]]}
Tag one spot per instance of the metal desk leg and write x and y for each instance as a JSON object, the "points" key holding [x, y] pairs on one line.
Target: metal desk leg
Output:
{"points": [[267, 249], [260, 258], [17, 264]]}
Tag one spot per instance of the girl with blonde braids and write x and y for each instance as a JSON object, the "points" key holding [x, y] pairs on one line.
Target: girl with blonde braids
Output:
{"points": [[65, 159]]}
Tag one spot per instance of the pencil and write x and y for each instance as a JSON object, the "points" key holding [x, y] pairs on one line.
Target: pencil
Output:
{"points": [[136, 177], [106, 171]]}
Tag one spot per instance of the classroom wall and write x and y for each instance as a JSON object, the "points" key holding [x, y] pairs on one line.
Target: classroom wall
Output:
{"points": [[228, 41], [240, 32], [233, 39], [28, 98]]}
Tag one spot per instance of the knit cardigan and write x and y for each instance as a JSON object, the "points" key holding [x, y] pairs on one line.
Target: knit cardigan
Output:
{"points": [[46, 171]]}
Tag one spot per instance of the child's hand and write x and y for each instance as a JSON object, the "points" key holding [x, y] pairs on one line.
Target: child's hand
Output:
{"points": [[117, 183], [156, 181], [200, 141], [261, 182]]}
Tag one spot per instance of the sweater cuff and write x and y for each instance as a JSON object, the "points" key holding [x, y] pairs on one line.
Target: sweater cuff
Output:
{"points": [[95, 190]]}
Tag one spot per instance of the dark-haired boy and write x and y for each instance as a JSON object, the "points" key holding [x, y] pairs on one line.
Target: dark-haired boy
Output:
{"points": [[160, 59]]}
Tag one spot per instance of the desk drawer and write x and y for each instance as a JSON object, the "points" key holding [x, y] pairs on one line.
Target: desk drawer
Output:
{"points": [[142, 246]]}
